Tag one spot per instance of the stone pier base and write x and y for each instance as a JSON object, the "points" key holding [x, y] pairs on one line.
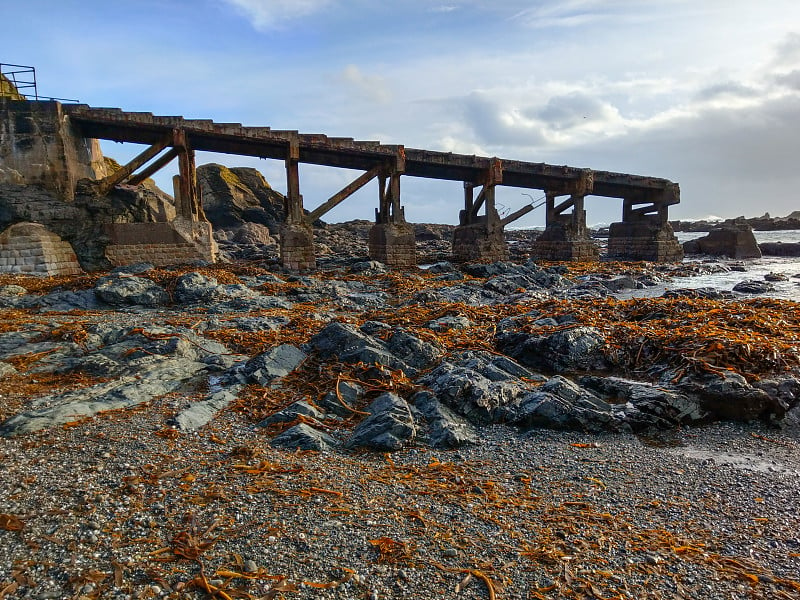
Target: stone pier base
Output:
{"points": [[180, 241], [560, 243], [478, 242], [643, 240], [393, 244], [30, 248], [297, 247]]}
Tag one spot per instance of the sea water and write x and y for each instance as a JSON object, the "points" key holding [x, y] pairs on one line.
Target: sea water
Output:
{"points": [[754, 268]]}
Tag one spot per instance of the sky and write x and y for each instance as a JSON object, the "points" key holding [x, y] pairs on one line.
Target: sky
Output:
{"points": [[702, 92]]}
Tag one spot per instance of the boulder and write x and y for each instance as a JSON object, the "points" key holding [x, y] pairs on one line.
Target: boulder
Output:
{"points": [[482, 387], [232, 197], [350, 394], [347, 343], [389, 426], [780, 248], [574, 349], [122, 290], [201, 413], [275, 362], [253, 234], [303, 437], [562, 404], [646, 406], [731, 239], [729, 396], [445, 429], [753, 286], [291, 412]]}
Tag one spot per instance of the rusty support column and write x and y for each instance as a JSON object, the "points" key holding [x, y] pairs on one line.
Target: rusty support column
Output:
{"points": [[566, 237], [645, 232], [297, 235], [481, 238], [391, 239], [188, 206]]}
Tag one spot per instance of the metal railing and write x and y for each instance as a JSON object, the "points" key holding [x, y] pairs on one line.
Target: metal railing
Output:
{"points": [[23, 79]]}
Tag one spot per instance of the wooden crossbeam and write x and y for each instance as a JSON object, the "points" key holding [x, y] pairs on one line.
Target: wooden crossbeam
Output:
{"points": [[156, 166], [106, 184], [343, 194], [517, 214], [564, 205]]}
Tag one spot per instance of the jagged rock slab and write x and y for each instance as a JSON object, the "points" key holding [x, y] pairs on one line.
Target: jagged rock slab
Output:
{"points": [[274, 363], [445, 429], [389, 427], [127, 391], [304, 437], [202, 412]]}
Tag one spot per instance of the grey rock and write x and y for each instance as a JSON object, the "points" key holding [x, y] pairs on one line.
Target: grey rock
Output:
{"points": [[729, 396], [119, 290], [647, 406], [449, 323], [619, 283], [562, 404], [6, 369], [349, 392], [346, 343], [389, 426], [446, 429], [441, 267], [291, 412], [413, 351], [275, 362], [201, 413], [130, 390], [369, 267], [481, 387], [574, 349], [65, 301], [304, 437], [752, 286]]}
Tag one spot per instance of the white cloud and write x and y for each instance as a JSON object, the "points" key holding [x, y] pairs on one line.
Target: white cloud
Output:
{"points": [[371, 87], [269, 14]]}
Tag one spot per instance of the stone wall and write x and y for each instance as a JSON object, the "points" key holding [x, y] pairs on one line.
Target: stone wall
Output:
{"points": [[478, 242], [643, 240], [297, 247], [30, 248], [38, 146], [159, 255], [393, 244]]}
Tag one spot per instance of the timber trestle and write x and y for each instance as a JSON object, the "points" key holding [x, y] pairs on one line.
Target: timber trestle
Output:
{"points": [[644, 232]]}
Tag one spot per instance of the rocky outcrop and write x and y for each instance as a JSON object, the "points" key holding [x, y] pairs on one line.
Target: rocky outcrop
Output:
{"points": [[734, 240], [780, 248], [234, 196]]}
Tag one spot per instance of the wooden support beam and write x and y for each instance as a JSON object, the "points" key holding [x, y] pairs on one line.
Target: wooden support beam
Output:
{"points": [[156, 166], [189, 207], [107, 183], [564, 205], [294, 201], [343, 194], [516, 215]]}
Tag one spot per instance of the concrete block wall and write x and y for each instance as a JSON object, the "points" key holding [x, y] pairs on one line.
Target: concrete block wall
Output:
{"points": [[478, 242], [160, 255], [30, 248], [393, 244]]}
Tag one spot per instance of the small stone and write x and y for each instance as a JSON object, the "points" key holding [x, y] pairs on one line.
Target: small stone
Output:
{"points": [[250, 566], [450, 553]]}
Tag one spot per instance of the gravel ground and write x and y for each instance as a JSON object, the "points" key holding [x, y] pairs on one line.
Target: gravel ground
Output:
{"points": [[118, 507]]}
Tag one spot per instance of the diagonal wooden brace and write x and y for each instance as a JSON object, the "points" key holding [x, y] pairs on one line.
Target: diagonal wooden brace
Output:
{"points": [[156, 166], [343, 194], [106, 184]]}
